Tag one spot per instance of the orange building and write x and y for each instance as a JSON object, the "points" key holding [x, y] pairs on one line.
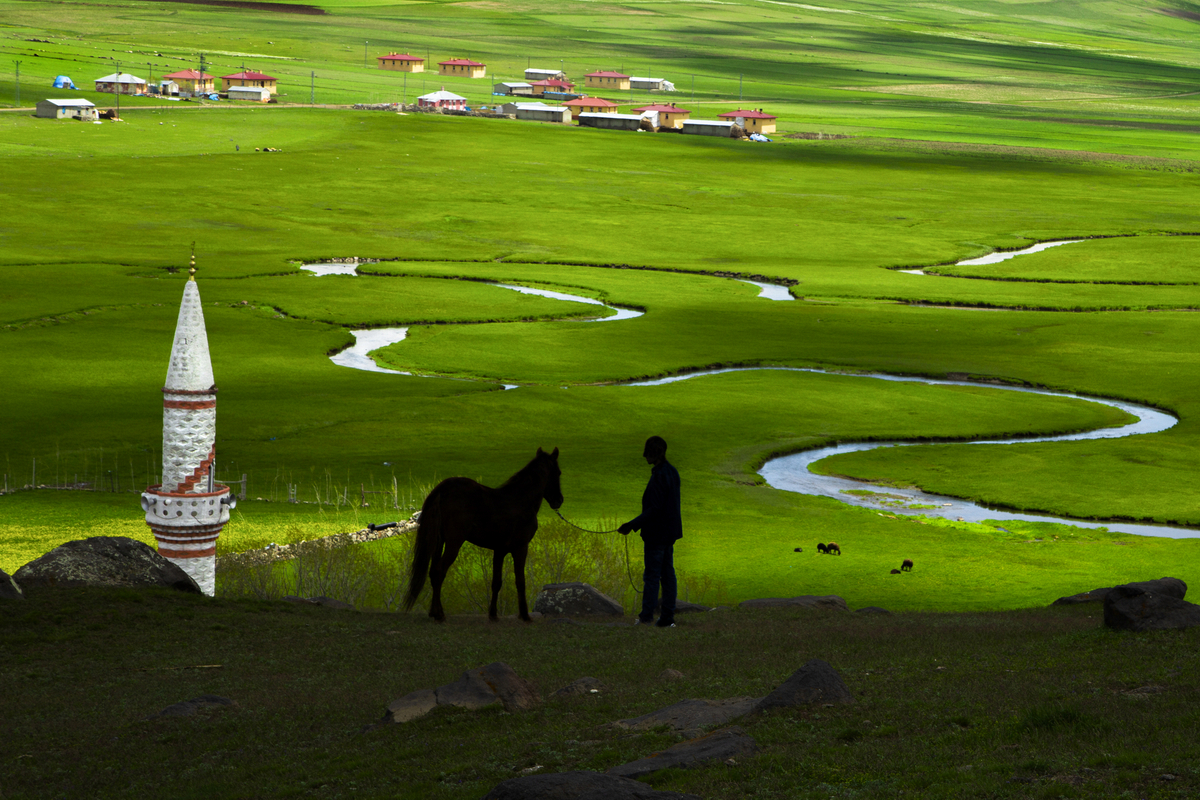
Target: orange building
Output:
{"points": [[193, 81], [552, 85], [607, 80], [590, 105], [255, 79], [753, 121], [462, 68], [669, 116], [401, 62]]}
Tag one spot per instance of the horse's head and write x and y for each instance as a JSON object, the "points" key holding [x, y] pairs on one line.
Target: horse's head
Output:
{"points": [[549, 464]]}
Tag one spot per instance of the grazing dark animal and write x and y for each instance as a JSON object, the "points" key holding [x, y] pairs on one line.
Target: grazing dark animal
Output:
{"points": [[895, 572], [907, 565], [504, 520], [822, 547], [798, 550], [832, 548]]}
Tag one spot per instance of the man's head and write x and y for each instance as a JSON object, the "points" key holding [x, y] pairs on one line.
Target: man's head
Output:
{"points": [[656, 450]]}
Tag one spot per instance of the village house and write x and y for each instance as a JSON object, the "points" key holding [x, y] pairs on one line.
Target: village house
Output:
{"points": [[545, 75], [442, 99], [256, 79], [708, 127], [66, 109], [537, 112], [607, 80], [612, 121], [753, 121], [552, 85], [513, 88], [591, 105], [121, 83], [651, 84], [462, 68], [669, 116], [401, 62], [189, 82]]}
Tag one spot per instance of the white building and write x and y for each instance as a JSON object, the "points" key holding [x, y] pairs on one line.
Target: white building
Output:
{"points": [[66, 109], [121, 83]]}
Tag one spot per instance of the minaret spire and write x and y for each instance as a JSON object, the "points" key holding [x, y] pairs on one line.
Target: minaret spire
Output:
{"points": [[189, 508]]}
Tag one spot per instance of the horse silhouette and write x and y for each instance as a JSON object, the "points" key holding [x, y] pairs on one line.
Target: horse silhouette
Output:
{"points": [[503, 520]]}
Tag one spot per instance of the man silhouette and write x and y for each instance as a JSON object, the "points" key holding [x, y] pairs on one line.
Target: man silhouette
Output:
{"points": [[661, 526]]}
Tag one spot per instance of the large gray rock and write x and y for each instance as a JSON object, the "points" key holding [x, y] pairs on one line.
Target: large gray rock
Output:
{"points": [[1172, 587], [692, 716], [720, 745], [815, 682], [574, 600], [579, 786], [104, 561], [827, 602], [9, 588], [1132, 608], [494, 684]]}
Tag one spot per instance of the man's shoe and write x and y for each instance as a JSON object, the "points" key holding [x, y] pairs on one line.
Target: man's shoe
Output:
{"points": [[663, 622], [640, 621]]}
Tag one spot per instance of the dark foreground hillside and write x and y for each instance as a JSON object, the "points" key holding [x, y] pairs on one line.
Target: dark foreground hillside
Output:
{"points": [[1042, 703]]}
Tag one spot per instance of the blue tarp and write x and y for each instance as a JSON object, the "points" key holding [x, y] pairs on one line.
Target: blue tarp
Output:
{"points": [[63, 82]]}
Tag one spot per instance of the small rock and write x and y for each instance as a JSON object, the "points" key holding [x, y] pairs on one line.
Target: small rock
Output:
{"points": [[684, 607], [9, 588], [576, 599], [692, 716], [815, 682], [104, 561], [670, 675], [830, 602], [579, 786], [720, 745], [872, 610], [189, 707], [412, 705], [586, 685], [479, 688]]}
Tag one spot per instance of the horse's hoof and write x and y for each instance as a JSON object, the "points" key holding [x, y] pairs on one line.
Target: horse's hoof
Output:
{"points": [[526, 618]]}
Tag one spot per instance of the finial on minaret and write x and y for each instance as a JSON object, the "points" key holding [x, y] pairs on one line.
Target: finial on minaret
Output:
{"points": [[189, 508]]}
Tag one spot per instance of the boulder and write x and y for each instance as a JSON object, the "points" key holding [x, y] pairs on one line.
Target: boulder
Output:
{"points": [[1133, 608], [9, 588], [412, 705], [1172, 587], [586, 685], [579, 786], [815, 682], [574, 600], [827, 602], [494, 684], [104, 561], [719, 745], [692, 716], [189, 708], [669, 674]]}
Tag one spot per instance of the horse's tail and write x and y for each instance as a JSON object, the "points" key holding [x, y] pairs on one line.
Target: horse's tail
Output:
{"points": [[426, 548]]}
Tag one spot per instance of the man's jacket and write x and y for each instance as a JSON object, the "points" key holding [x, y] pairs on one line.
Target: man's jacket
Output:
{"points": [[660, 521]]}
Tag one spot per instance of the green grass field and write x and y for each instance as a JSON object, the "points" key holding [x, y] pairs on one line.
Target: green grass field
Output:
{"points": [[970, 132]]}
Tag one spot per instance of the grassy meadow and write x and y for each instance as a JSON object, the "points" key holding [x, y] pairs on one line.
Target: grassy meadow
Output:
{"points": [[970, 129]]}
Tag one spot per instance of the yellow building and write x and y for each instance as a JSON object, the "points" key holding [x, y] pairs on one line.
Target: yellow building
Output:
{"points": [[607, 80], [552, 85], [462, 68], [256, 79], [401, 62], [753, 121], [590, 105], [669, 116], [192, 81]]}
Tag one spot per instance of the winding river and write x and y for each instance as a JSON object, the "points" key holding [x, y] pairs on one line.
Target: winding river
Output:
{"points": [[791, 473]]}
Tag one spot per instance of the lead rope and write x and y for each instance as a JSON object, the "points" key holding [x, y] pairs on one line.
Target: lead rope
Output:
{"points": [[628, 568]]}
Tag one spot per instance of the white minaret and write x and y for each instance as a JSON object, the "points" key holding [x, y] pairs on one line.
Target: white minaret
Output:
{"points": [[188, 509]]}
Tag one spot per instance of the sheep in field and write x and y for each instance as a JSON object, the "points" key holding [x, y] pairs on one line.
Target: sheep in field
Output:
{"points": [[832, 548], [907, 565]]}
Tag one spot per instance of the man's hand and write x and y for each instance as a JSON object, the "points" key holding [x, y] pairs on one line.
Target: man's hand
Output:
{"points": [[624, 529]]}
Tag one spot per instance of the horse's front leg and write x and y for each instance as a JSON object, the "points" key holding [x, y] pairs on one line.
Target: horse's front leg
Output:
{"points": [[519, 556], [497, 582]]}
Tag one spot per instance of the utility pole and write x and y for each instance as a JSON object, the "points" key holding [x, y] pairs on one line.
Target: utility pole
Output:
{"points": [[312, 88], [693, 88], [118, 91], [200, 81], [18, 63], [404, 97], [739, 87], [365, 43]]}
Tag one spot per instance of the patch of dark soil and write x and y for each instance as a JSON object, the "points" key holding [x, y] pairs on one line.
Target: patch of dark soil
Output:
{"points": [[280, 8], [1180, 13]]}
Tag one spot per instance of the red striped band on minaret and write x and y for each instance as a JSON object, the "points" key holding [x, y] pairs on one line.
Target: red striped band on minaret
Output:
{"points": [[190, 405]]}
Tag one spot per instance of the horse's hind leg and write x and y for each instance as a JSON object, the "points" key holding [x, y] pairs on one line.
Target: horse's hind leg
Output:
{"points": [[437, 574], [497, 582], [519, 556]]}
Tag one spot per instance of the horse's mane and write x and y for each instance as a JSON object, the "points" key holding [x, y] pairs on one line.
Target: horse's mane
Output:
{"points": [[525, 474]]}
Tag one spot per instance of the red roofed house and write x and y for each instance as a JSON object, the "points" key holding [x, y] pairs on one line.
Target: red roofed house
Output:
{"points": [[753, 121], [402, 62], [590, 105], [256, 79], [669, 116], [552, 85], [192, 81], [464, 67], [606, 80]]}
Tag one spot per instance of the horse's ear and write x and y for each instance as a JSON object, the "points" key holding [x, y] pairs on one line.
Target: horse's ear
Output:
{"points": [[541, 452], [554, 455]]}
